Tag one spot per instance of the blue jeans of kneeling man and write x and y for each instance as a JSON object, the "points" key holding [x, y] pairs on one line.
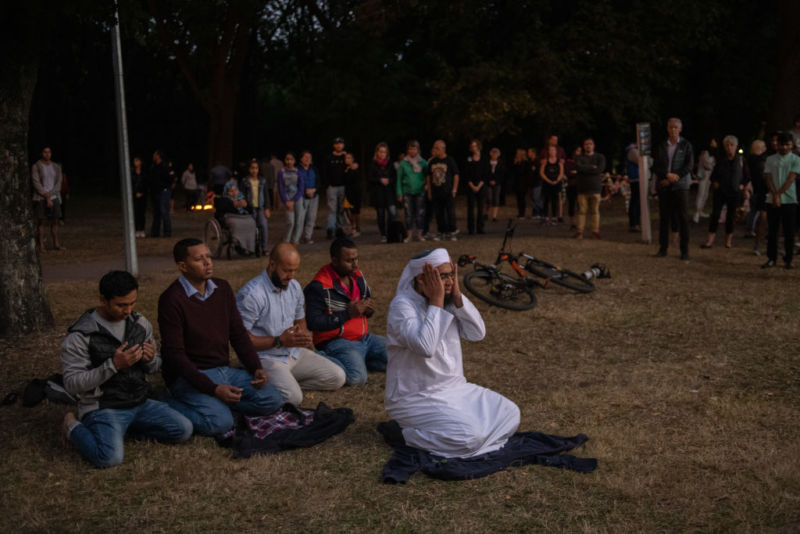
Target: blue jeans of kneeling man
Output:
{"points": [[356, 357], [209, 415], [98, 437]]}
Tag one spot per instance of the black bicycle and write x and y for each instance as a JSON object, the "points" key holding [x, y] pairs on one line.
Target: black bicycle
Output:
{"points": [[489, 284]]}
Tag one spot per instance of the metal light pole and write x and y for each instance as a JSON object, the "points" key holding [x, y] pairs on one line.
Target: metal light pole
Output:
{"points": [[644, 143], [131, 260]]}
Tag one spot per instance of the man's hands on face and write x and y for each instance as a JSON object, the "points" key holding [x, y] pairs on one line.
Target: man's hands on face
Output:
{"points": [[295, 336], [228, 394], [455, 293], [432, 286], [260, 379], [125, 356]]}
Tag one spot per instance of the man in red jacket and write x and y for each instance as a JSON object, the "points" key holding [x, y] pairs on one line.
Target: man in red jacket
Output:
{"points": [[338, 304]]}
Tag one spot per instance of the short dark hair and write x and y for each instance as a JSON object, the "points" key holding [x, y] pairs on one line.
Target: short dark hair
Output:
{"points": [[784, 137], [339, 243], [181, 249], [117, 284]]}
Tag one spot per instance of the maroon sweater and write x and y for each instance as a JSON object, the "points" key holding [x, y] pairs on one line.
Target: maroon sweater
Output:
{"points": [[195, 335]]}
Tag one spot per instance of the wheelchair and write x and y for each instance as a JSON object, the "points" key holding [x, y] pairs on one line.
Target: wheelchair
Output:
{"points": [[219, 239]]}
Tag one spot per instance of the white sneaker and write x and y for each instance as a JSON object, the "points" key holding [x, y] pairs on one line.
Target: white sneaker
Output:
{"points": [[437, 237]]}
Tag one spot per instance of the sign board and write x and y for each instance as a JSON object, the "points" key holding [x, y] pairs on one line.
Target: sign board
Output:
{"points": [[644, 139], [644, 142]]}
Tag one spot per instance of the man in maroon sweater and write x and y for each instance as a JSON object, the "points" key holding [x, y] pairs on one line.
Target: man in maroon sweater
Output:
{"points": [[198, 318]]}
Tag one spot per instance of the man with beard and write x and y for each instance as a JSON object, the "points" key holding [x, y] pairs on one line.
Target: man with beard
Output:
{"points": [[339, 301], [271, 306], [198, 320], [426, 392]]}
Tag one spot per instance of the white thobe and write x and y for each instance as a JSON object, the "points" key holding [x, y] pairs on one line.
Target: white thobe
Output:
{"points": [[426, 392]]}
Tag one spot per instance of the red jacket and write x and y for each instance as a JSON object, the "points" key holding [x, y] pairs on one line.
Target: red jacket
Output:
{"points": [[326, 308]]}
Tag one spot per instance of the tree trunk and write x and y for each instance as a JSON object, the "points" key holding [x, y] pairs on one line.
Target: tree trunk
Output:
{"points": [[785, 105], [23, 306], [220, 132]]}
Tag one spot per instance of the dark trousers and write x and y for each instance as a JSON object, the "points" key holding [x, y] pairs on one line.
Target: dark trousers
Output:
{"points": [[139, 209], [550, 198], [634, 207], [572, 199], [161, 213], [475, 200], [444, 207], [786, 215], [673, 206], [522, 192], [383, 222], [719, 201]]}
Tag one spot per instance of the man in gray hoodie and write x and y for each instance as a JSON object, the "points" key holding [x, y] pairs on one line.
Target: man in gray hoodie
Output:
{"points": [[106, 356]]}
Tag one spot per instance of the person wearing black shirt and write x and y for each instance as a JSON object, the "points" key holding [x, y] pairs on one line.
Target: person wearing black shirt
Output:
{"points": [[333, 176], [476, 173], [442, 179], [160, 190]]}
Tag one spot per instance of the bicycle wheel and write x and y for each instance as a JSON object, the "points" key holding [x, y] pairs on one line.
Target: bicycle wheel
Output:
{"points": [[501, 290], [213, 237], [560, 276]]}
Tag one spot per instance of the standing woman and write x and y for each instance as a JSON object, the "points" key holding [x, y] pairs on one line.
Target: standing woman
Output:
{"points": [[189, 182], [497, 180], [476, 174], [727, 181], [520, 173], [551, 171], [310, 198], [571, 173], [381, 179], [705, 166], [290, 189], [139, 179]]}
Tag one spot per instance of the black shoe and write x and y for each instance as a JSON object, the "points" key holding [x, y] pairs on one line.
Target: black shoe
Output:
{"points": [[769, 264], [788, 265], [704, 245], [684, 256], [481, 232], [661, 254]]}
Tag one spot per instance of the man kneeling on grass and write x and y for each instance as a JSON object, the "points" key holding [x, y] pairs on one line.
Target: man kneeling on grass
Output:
{"points": [[198, 320], [106, 357], [426, 392]]}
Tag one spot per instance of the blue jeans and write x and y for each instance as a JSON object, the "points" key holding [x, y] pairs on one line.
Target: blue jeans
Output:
{"points": [[209, 415], [98, 437], [161, 211], [335, 216], [355, 357]]}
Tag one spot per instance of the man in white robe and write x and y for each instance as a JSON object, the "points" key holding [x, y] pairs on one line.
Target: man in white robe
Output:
{"points": [[426, 392]]}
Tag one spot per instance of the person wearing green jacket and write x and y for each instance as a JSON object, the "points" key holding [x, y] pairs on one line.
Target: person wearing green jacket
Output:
{"points": [[411, 189]]}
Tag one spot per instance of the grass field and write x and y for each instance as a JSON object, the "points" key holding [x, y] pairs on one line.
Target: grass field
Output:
{"points": [[685, 376]]}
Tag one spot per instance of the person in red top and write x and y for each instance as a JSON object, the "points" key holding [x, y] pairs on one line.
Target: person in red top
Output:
{"points": [[338, 304], [199, 321]]}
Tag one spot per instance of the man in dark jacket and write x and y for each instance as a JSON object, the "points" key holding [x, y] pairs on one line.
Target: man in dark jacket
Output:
{"points": [[106, 356], [338, 303], [160, 185], [590, 166], [672, 170]]}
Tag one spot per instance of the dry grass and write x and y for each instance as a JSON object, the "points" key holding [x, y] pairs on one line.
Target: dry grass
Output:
{"points": [[685, 377]]}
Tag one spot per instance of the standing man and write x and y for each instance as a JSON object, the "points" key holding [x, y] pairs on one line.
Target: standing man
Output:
{"points": [[333, 170], [672, 170], [780, 175], [310, 199], [106, 357], [46, 177], [411, 189], [199, 321], [161, 190], [442, 183], [632, 172], [338, 303], [271, 305], [258, 197], [590, 166]]}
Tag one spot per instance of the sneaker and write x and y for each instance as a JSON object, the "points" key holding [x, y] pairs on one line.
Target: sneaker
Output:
{"points": [[596, 235], [684, 256], [769, 264], [437, 237], [756, 252], [355, 234], [383, 239], [661, 253], [420, 237], [577, 235], [406, 239], [453, 237], [455, 232]]}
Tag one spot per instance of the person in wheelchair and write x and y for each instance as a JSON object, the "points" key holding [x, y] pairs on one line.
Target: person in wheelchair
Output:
{"points": [[231, 212]]}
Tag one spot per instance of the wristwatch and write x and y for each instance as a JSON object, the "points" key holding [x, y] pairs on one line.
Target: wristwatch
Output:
{"points": [[276, 343]]}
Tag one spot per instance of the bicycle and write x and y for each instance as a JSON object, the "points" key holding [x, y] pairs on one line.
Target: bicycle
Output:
{"points": [[491, 285]]}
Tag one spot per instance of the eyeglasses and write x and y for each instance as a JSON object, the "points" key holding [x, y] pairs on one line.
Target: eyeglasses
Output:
{"points": [[447, 276]]}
